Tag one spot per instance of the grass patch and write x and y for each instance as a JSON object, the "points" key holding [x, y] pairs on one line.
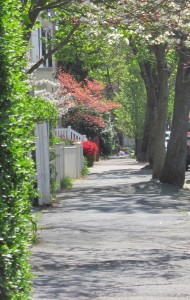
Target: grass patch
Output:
{"points": [[34, 226], [66, 183], [85, 169]]}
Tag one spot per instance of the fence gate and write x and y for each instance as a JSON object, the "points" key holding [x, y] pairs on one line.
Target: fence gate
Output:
{"points": [[42, 162]]}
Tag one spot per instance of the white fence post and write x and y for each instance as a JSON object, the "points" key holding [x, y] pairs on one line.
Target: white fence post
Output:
{"points": [[80, 159], [70, 161], [69, 132], [42, 162]]}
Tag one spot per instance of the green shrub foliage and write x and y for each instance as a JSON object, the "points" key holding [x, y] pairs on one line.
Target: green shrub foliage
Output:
{"points": [[16, 167]]}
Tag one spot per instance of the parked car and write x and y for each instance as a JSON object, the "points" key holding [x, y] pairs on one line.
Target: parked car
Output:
{"points": [[167, 137], [188, 152]]}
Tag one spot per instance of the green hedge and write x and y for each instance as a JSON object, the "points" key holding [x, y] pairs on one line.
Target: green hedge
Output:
{"points": [[16, 168]]}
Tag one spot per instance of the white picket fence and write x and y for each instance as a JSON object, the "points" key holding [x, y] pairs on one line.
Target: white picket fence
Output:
{"points": [[68, 133], [42, 163], [69, 160]]}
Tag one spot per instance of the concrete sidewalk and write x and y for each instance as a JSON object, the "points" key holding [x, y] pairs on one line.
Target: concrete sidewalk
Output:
{"points": [[116, 235]]}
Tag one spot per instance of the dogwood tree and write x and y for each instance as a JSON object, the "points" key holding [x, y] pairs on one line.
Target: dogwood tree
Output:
{"points": [[161, 26]]}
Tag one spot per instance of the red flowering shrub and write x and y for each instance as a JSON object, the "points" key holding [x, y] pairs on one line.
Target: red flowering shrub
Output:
{"points": [[89, 148], [88, 93]]}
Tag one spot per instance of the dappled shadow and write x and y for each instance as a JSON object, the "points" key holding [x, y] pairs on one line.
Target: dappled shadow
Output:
{"points": [[147, 197], [114, 232], [120, 173], [86, 279]]}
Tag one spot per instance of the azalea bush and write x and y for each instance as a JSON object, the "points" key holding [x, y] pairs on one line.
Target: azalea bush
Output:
{"points": [[89, 148], [89, 151]]}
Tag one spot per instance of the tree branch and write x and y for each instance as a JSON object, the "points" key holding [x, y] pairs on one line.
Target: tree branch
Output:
{"points": [[52, 51]]}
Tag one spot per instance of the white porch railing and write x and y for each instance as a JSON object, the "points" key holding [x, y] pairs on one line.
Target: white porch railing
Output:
{"points": [[68, 133]]}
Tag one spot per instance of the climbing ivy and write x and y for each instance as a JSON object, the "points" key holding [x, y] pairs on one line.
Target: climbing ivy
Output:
{"points": [[16, 166]]}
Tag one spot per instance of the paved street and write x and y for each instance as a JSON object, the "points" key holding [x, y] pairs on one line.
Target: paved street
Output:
{"points": [[117, 235]]}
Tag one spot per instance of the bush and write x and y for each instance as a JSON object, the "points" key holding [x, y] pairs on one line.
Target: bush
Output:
{"points": [[16, 167], [89, 148], [89, 151]]}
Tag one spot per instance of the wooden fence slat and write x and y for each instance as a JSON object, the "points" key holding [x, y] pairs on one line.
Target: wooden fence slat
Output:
{"points": [[42, 162]]}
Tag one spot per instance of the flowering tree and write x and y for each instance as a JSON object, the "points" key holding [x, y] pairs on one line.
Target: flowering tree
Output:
{"points": [[89, 104], [51, 92], [88, 93], [157, 27]]}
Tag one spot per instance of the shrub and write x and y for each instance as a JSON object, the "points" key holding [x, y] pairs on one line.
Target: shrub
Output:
{"points": [[89, 151], [89, 148], [16, 167]]}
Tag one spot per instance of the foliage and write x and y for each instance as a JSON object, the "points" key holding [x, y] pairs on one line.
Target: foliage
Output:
{"points": [[89, 148], [85, 169], [63, 140], [132, 97], [16, 167], [83, 122], [88, 114], [36, 216], [42, 111], [86, 93], [41, 89], [103, 59], [53, 183], [89, 151], [66, 183]]}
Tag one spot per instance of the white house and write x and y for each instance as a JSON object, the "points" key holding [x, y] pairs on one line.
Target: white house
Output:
{"points": [[39, 40]]}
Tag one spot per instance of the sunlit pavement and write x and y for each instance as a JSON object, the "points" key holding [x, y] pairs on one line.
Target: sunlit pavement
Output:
{"points": [[116, 235]]}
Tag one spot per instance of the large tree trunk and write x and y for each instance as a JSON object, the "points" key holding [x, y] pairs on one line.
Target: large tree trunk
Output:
{"points": [[161, 111], [148, 137], [148, 74], [175, 163]]}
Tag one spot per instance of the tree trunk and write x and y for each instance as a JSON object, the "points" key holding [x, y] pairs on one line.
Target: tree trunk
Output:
{"points": [[175, 163], [148, 74], [147, 146], [161, 111]]}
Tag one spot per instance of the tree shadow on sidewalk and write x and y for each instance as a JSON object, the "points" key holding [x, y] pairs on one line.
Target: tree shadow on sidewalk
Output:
{"points": [[102, 240], [86, 279], [145, 196]]}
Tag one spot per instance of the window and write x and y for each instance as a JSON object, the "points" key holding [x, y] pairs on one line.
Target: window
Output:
{"points": [[45, 38]]}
